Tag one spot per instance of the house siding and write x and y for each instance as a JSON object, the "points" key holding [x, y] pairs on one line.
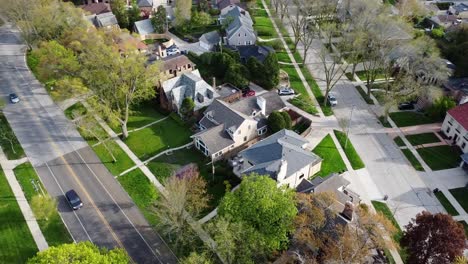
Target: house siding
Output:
{"points": [[456, 132], [294, 180], [241, 37]]}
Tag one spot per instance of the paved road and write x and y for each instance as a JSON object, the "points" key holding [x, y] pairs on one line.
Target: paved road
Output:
{"points": [[64, 161]]}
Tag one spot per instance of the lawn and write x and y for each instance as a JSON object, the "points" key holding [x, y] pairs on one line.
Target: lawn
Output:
{"points": [[17, 243], [412, 159], [326, 109], [399, 141], [332, 161], [362, 75], [154, 139], [349, 150], [123, 161], [446, 204], [384, 122], [142, 115], [380, 96], [53, 229], [263, 26], [364, 95], [461, 194], [75, 110], [13, 149], [302, 101], [441, 157], [165, 165], [420, 139], [142, 192], [409, 118], [283, 56]]}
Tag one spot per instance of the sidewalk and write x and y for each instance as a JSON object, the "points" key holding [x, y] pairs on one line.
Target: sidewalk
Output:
{"points": [[8, 166]]}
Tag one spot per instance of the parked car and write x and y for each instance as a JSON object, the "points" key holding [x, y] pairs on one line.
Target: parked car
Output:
{"points": [[406, 106], [14, 98], [248, 93], [332, 99], [73, 199], [286, 91], [171, 52]]}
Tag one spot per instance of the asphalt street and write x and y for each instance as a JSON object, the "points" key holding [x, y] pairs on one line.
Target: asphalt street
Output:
{"points": [[64, 161]]}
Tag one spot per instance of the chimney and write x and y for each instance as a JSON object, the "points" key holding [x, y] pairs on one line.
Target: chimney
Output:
{"points": [[214, 83], [261, 102], [283, 167], [348, 211]]}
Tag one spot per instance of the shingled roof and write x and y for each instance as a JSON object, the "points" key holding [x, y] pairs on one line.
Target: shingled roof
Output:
{"points": [[460, 114]]}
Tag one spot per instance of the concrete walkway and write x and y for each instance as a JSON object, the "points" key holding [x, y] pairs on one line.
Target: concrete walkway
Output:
{"points": [[8, 166]]}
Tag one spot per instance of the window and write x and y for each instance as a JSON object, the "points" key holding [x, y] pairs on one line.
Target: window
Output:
{"points": [[170, 71], [245, 139], [463, 145], [448, 130], [261, 131], [302, 176], [239, 34]]}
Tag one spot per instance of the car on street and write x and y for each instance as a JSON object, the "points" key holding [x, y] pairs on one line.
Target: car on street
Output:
{"points": [[14, 98], [285, 91], [248, 93], [73, 199], [332, 99], [406, 106]]}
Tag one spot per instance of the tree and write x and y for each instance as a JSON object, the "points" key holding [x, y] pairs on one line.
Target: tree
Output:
{"points": [[6, 134], [264, 206], [119, 82], [55, 61], [200, 19], [187, 107], [287, 119], [272, 69], [283, 8], [119, 9], [134, 14], [437, 33], [159, 20], [457, 45], [297, 21], [276, 122], [44, 206], [195, 258], [185, 197], [83, 252], [183, 12], [433, 238], [440, 106]]}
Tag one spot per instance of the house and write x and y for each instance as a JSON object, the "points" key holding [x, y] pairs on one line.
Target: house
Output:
{"points": [[457, 88], [144, 28], [229, 93], [283, 156], [146, 6], [225, 127], [444, 21], [209, 40], [240, 26], [126, 42], [176, 65], [455, 126], [189, 84], [105, 21], [221, 4], [460, 10], [96, 8], [248, 51]]}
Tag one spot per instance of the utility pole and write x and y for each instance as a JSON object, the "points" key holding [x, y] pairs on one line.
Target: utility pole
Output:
{"points": [[349, 125]]}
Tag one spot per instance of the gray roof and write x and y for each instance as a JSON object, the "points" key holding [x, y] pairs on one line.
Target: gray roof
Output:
{"points": [[105, 20], [464, 157], [145, 3], [144, 27], [223, 113], [268, 154], [226, 89], [249, 104], [240, 19], [248, 51], [211, 38], [225, 3], [461, 7], [215, 138]]}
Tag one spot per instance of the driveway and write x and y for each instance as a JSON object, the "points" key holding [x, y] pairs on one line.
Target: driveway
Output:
{"points": [[64, 161]]}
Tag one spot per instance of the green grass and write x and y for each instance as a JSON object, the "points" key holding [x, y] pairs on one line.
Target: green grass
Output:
{"points": [[283, 57], [326, 109], [441, 157], [362, 75], [424, 138], [446, 204], [364, 95], [53, 229], [380, 96], [12, 150], [123, 161], [383, 208], [17, 243], [142, 115], [149, 141], [412, 159], [303, 101], [399, 141], [216, 183], [390, 2], [384, 122], [353, 156], [461, 195], [332, 161], [75, 110], [403, 119], [142, 192], [350, 76]]}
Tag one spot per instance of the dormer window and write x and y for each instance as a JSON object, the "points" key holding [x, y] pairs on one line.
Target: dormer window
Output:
{"points": [[200, 98]]}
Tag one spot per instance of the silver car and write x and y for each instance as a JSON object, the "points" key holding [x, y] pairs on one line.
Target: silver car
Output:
{"points": [[332, 99], [285, 91]]}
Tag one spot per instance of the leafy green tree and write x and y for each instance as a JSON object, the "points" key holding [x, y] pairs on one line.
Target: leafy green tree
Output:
{"points": [[159, 19], [201, 19], [278, 120], [195, 258], [287, 119], [440, 107], [83, 252], [437, 33], [55, 61], [183, 12], [272, 69], [457, 45], [187, 107], [262, 205], [134, 14], [44, 206], [236, 75], [120, 11]]}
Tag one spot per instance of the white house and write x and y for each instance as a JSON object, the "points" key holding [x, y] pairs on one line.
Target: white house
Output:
{"points": [[283, 156], [455, 126]]}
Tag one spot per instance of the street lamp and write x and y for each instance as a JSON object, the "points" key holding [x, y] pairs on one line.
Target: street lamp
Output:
{"points": [[349, 125]]}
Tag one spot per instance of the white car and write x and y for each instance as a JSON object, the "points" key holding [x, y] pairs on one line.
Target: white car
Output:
{"points": [[14, 98], [285, 91], [171, 52], [332, 99]]}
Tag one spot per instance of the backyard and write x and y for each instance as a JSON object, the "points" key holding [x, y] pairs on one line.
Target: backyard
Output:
{"points": [[441, 157], [15, 237], [143, 114], [332, 161], [53, 228]]}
